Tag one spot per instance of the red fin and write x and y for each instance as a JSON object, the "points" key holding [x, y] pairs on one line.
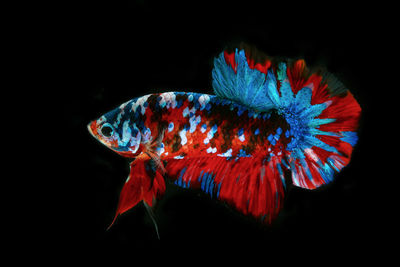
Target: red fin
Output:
{"points": [[335, 138], [346, 112], [255, 59], [297, 75], [230, 59], [253, 185], [144, 182]]}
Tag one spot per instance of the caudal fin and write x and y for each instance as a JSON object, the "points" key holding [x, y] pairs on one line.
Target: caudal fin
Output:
{"points": [[323, 116], [321, 113]]}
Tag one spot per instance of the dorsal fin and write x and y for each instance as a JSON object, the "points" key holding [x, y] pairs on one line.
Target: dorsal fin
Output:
{"points": [[241, 78], [256, 59]]}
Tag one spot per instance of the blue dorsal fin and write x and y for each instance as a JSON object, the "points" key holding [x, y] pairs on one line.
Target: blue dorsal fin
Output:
{"points": [[242, 84]]}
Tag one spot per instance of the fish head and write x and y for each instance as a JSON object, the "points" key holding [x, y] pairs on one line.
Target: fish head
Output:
{"points": [[117, 132]]}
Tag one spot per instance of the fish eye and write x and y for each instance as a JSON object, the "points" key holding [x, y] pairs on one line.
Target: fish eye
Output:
{"points": [[107, 130]]}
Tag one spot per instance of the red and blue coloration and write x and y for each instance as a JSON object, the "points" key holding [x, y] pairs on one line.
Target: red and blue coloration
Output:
{"points": [[268, 122]]}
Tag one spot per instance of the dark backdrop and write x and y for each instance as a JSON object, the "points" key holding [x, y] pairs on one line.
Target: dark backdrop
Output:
{"points": [[115, 53]]}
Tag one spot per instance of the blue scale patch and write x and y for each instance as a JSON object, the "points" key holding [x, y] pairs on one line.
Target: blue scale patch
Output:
{"points": [[213, 130], [242, 154], [170, 126], [287, 133], [241, 110], [203, 128], [179, 103]]}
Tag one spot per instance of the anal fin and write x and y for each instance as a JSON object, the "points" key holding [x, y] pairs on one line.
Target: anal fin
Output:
{"points": [[253, 185]]}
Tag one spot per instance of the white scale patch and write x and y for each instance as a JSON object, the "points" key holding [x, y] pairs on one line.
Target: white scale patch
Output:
{"points": [[147, 136], [101, 120], [140, 102], [120, 114], [203, 101], [227, 154], [187, 111], [160, 149], [135, 143], [211, 150], [194, 121], [210, 134], [168, 100], [203, 128], [126, 134], [182, 134]]}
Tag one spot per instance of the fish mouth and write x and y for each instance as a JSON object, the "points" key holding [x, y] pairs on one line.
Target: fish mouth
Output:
{"points": [[92, 128]]}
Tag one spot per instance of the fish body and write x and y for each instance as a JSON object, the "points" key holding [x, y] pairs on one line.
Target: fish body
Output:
{"points": [[194, 124], [267, 123]]}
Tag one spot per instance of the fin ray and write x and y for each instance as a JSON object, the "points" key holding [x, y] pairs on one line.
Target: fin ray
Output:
{"points": [[322, 114], [253, 185], [243, 85], [145, 182]]}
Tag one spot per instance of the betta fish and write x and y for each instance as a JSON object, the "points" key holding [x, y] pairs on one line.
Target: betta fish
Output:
{"points": [[269, 124]]}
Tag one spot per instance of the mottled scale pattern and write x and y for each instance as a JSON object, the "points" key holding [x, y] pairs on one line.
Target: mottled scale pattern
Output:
{"points": [[204, 125], [267, 122]]}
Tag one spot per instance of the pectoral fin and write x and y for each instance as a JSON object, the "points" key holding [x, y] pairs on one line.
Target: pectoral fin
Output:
{"points": [[145, 182]]}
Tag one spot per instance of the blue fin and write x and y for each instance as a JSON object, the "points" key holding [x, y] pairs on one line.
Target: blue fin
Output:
{"points": [[245, 86], [321, 114]]}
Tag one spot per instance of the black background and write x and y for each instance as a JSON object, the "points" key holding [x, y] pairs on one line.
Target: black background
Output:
{"points": [[113, 53]]}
